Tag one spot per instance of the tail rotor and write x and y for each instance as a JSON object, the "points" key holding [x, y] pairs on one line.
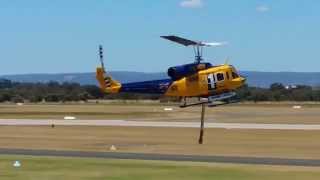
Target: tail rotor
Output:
{"points": [[101, 57]]}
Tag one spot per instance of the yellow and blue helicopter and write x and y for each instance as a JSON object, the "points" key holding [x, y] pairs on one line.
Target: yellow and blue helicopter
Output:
{"points": [[210, 83], [199, 79]]}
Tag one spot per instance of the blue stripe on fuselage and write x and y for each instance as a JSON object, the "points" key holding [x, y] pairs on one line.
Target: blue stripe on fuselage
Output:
{"points": [[152, 87]]}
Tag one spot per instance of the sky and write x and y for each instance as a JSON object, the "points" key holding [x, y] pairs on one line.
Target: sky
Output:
{"points": [[62, 36]]}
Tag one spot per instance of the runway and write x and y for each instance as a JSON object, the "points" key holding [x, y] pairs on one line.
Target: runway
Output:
{"points": [[44, 122], [165, 157]]}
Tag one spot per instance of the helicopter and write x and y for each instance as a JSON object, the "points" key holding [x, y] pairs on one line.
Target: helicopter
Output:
{"points": [[210, 83]]}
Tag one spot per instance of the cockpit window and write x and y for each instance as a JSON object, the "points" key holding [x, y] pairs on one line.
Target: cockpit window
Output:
{"points": [[234, 75], [220, 77]]}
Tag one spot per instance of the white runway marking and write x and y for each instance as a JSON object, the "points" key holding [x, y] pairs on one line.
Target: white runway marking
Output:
{"points": [[32, 122]]}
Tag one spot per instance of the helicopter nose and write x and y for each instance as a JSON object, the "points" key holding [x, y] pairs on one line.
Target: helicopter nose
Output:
{"points": [[243, 80]]}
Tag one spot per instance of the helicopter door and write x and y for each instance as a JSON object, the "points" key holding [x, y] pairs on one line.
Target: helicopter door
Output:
{"points": [[219, 79], [211, 82]]}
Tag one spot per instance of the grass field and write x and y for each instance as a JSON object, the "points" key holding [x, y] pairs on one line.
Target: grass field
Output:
{"points": [[259, 143], [52, 168], [243, 113]]}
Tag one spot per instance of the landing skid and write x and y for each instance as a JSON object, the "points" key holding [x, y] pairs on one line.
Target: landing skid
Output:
{"points": [[192, 104], [211, 100]]}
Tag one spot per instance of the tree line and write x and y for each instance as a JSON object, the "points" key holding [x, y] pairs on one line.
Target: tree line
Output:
{"points": [[58, 92], [64, 92], [279, 92]]}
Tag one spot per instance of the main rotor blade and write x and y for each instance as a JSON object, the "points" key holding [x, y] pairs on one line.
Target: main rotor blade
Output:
{"points": [[183, 41], [214, 44], [187, 42]]}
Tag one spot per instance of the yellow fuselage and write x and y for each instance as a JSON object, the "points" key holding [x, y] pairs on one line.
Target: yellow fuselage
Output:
{"points": [[214, 80]]}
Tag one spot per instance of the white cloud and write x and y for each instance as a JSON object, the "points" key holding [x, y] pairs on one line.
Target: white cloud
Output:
{"points": [[191, 3], [263, 8]]}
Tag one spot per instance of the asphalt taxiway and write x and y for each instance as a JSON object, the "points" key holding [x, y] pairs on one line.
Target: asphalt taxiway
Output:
{"points": [[166, 157]]}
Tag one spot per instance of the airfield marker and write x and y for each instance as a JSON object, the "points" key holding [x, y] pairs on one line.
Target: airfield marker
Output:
{"points": [[296, 107], [69, 118], [16, 164], [113, 148]]}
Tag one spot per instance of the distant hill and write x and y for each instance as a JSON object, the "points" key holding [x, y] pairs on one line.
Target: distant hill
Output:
{"points": [[258, 79], [84, 78], [264, 79]]}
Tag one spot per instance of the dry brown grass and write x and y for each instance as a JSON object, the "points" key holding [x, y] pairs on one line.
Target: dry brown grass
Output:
{"points": [[270, 143], [273, 143], [240, 113]]}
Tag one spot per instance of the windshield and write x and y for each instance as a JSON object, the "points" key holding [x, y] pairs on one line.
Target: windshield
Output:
{"points": [[234, 73]]}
